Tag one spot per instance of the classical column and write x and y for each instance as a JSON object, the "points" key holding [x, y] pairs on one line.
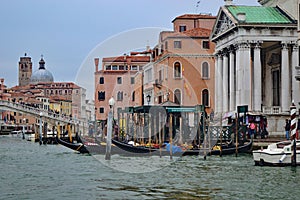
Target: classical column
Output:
{"points": [[295, 83], [220, 82], [238, 76], [257, 91], [216, 83], [285, 79], [231, 81], [246, 93], [225, 83]]}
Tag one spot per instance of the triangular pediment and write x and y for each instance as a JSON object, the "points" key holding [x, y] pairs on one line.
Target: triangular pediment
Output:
{"points": [[223, 24]]}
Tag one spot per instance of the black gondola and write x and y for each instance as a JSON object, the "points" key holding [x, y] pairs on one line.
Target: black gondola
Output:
{"points": [[226, 149], [80, 147]]}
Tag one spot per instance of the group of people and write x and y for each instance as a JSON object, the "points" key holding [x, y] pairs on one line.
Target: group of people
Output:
{"points": [[258, 128]]}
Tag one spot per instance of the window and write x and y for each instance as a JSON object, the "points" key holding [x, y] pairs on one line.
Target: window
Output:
{"points": [[121, 67], [166, 45], [148, 75], [177, 44], [276, 87], [205, 70], [107, 67], [177, 96], [160, 75], [114, 67], [101, 110], [132, 80], [133, 96], [160, 99], [134, 67], [119, 80], [182, 28], [205, 44], [101, 96], [205, 97], [120, 96], [101, 80], [177, 70]]}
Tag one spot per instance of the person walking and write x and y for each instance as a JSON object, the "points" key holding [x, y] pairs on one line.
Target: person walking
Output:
{"points": [[287, 129], [252, 130]]}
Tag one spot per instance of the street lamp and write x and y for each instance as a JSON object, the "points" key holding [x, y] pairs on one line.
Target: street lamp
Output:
{"points": [[148, 98], [41, 115], [111, 103]]}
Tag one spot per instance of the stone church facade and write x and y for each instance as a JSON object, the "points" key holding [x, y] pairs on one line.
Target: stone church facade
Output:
{"points": [[256, 54]]}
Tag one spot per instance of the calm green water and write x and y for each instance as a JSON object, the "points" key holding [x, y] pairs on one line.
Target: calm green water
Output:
{"points": [[31, 171]]}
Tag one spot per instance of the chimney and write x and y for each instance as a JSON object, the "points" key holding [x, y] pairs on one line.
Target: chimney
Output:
{"points": [[228, 2], [96, 60], [241, 17]]}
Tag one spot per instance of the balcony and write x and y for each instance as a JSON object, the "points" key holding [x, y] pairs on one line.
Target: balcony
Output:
{"points": [[272, 110], [297, 76], [158, 83]]}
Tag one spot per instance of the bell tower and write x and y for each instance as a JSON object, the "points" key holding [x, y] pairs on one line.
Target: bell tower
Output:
{"points": [[25, 70]]}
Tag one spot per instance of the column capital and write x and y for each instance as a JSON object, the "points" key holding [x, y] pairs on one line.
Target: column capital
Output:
{"points": [[242, 45], [257, 44], [284, 45], [295, 47]]}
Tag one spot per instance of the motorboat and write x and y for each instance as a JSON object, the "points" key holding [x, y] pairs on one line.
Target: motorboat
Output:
{"points": [[277, 154]]}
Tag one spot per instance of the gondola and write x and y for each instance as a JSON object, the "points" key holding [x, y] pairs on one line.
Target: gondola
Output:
{"points": [[131, 148], [86, 146], [80, 147], [176, 150], [225, 150]]}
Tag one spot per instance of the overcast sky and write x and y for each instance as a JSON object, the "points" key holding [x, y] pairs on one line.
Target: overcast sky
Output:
{"points": [[67, 32]]}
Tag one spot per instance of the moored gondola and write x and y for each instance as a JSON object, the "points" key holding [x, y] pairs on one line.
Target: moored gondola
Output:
{"points": [[80, 147]]}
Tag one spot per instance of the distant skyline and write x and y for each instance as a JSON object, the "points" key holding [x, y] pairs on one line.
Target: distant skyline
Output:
{"points": [[69, 33]]}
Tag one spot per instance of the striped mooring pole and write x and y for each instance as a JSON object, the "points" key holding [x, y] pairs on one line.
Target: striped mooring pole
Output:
{"points": [[293, 111]]}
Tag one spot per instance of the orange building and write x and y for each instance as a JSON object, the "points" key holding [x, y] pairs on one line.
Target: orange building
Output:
{"points": [[117, 79], [183, 67]]}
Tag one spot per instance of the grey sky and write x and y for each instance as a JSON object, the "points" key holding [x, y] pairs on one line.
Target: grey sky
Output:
{"points": [[67, 31]]}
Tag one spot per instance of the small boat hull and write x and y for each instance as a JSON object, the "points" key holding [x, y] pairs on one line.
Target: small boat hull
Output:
{"points": [[277, 154]]}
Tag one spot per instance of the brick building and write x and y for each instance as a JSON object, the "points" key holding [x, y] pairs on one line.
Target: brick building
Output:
{"points": [[116, 79]]}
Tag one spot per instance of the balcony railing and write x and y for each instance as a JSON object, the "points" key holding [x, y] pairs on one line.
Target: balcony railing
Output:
{"points": [[271, 109], [158, 83], [297, 76]]}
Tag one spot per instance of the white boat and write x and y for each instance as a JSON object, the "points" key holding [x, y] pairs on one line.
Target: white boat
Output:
{"points": [[277, 154]]}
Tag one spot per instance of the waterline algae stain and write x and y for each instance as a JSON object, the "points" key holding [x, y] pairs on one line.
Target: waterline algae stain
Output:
{"points": [[31, 171]]}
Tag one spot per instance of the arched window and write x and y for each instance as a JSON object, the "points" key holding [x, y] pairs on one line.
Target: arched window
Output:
{"points": [[205, 97], [205, 70], [133, 96], [177, 96], [177, 70]]}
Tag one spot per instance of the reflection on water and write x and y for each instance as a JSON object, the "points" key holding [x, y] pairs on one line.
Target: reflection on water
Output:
{"points": [[31, 171]]}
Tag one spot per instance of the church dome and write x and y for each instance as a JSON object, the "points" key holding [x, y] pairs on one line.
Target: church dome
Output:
{"points": [[42, 74]]}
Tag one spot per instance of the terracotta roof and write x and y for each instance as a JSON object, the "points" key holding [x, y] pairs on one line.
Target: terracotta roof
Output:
{"points": [[128, 58], [195, 16], [58, 98], [195, 32], [33, 100]]}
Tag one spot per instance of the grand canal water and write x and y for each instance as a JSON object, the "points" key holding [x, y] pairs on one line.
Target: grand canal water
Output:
{"points": [[31, 171]]}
